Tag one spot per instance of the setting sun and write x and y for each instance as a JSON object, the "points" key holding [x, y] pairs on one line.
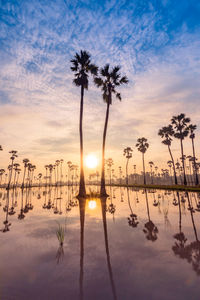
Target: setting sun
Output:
{"points": [[91, 161]]}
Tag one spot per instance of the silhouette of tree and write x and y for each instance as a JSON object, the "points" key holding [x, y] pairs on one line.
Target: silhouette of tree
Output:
{"points": [[25, 162], [82, 67], [13, 156], [108, 81], [150, 229], [166, 134], [128, 154], [191, 129], [180, 125], [151, 166], [142, 146]]}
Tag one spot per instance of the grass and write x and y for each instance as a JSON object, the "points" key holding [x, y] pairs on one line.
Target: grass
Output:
{"points": [[60, 233]]}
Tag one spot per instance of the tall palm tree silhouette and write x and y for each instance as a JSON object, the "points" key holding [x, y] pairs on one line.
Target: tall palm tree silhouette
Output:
{"points": [[192, 128], [103, 208], [180, 124], [142, 146], [128, 154], [82, 67], [108, 81], [166, 133], [25, 161]]}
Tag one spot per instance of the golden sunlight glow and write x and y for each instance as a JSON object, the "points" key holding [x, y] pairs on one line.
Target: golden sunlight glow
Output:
{"points": [[91, 161], [92, 204]]}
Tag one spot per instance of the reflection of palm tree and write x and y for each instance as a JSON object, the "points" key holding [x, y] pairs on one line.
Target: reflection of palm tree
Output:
{"points": [[82, 67], [6, 209], [190, 252], [21, 215], [132, 220], [108, 81], [103, 207], [82, 202], [150, 229]]}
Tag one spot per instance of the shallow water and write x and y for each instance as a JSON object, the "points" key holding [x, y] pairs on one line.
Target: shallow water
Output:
{"points": [[132, 245]]}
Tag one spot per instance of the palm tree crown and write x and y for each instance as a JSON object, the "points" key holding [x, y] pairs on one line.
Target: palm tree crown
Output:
{"points": [[180, 123], [82, 66], [108, 81], [166, 134], [142, 144]]}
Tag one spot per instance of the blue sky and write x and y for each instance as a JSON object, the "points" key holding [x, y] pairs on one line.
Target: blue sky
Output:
{"points": [[157, 44]]}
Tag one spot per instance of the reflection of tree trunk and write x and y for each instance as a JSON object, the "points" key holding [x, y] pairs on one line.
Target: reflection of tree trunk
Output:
{"points": [[147, 203], [82, 192], [103, 207], [103, 189], [82, 203], [129, 201], [192, 217]]}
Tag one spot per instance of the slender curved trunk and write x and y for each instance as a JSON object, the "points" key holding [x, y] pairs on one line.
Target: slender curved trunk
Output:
{"points": [[82, 191], [103, 189], [183, 163], [10, 176], [112, 283], [172, 159], [195, 166], [127, 172], [144, 168]]}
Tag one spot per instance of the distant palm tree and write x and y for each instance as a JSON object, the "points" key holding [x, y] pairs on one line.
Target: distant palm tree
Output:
{"points": [[142, 146], [170, 164], [25, 161], [180, 124], [128, 153], [82, 66], [108, 81], [192, 128], [13, 156], [151, 166], [166, 134], [1, 149]]}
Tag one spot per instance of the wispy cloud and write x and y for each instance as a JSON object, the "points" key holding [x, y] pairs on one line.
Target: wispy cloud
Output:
{"points": [[156, 44]]}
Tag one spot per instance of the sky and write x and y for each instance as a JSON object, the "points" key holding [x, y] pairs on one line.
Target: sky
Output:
{"points": [[157, 45]]}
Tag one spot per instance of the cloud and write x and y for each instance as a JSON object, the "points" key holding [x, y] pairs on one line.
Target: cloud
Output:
{"points": [[157, 46]]}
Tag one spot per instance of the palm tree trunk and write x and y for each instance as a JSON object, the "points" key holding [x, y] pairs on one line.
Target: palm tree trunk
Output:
{"points": [[183, 163], [103, 189], [82, 191], [144, 168], [195, 167], [127, 172], [172, 159], [82, 221]]}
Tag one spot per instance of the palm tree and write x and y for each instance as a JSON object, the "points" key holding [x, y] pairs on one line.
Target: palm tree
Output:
{"points": [[82, 66], [151, 166], [1, 149], [13, 156], [166, 134], [191, 129], [108, 81], [25, 161], [128, 153], [142, 146], [180, 124]]}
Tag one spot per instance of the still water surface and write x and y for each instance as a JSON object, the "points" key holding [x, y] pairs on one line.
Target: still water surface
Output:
{"points": [[136, 244]]}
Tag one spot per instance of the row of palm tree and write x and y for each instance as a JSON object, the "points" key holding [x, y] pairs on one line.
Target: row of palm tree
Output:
{"points": [[180, 128]]}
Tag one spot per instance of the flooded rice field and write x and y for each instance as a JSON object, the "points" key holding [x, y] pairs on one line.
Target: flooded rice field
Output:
{"points": [[136, 244]]}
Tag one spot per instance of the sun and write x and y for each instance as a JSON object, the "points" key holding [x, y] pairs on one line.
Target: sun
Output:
{"points": [[91, 161]]}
